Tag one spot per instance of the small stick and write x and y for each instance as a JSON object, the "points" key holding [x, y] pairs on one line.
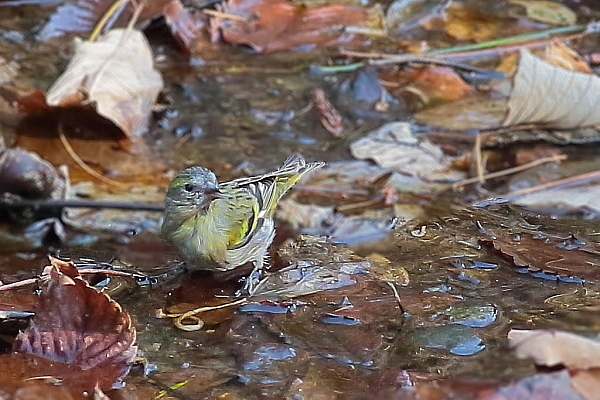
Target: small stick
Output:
{"points": [[219, 14], [509, 171]]}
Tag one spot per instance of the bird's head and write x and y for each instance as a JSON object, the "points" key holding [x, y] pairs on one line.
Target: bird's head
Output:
{"points": [[193, 186]]}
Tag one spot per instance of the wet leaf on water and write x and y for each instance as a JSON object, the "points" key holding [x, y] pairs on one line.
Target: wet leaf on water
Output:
{"points": [[115, 220], [275, 25], [394, 146], [551, 348], [116, 75], [547, 257], [464, 23], [92, 335], [552, 96], [575, 199], [552, 386], [187, 28], [477, 112], [15, 304], [548, 12], [429, 85], [81, 16]]}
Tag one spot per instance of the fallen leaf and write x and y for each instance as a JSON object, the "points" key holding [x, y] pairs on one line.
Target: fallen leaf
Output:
{"points": [[275, 25], [552, 96], [429, 84], [548, 12], [547, 257], [560, 55], [551, 348], [475, 112], [587, 383], [91, 337], [394, 146], [552, 386], [464, 23], [116, 75], [187, 28]]}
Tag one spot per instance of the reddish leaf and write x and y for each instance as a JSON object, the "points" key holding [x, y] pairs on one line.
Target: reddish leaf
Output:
{"points": [[546, 256], [188, 29], [275, 25], [82, 331]]}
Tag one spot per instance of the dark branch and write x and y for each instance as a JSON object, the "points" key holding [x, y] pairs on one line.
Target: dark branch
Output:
{"points": [[54, 204]]}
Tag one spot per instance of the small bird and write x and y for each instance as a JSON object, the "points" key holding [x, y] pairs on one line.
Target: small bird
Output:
{"points": [[221, 226]]}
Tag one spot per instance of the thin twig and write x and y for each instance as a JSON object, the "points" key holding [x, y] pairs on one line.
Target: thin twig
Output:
{"points": [[509, 171], [18, 284], [566, 182], [219, 14], [50, 204], [80, 162], [110, 12], [192, 314]]}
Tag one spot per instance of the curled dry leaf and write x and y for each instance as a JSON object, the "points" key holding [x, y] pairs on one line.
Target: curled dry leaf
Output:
{"points": [[275, 25], [81, 329], [551, 348], [552, 96], [116, 74]]}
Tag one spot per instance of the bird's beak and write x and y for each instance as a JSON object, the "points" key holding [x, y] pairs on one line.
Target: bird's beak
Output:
{"points": [[212, 193]]}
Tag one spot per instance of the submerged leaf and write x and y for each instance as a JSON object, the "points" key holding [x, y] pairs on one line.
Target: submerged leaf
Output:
{"points": [[117, 75]]}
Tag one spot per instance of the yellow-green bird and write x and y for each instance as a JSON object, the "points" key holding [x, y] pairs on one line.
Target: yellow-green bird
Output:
{"points": [[220, 226]]}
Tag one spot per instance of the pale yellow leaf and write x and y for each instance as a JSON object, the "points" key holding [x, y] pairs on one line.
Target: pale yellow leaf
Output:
{"points": [[116, 74]]}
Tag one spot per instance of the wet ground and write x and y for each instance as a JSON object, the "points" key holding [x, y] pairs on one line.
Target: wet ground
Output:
{"points": [[432, 299]]}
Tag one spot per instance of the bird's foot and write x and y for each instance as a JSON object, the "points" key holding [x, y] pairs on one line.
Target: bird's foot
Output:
{"points": [[252, 282]]}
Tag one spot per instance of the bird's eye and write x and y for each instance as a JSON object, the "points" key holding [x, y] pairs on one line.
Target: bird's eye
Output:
{"points": [[188, 187]]}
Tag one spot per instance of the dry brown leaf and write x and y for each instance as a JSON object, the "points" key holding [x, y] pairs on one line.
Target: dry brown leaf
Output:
{"points": [[463, 23], [548, 257], [559, 54], [276, 25], [551, 348], [91, 336], [552, 96], [116, 74]]}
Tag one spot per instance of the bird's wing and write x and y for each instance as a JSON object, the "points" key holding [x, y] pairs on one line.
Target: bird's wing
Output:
{"points": [[269, 188]]}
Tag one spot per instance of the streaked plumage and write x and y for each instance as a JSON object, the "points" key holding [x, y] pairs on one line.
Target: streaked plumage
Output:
{"points": [[222, 226]]}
